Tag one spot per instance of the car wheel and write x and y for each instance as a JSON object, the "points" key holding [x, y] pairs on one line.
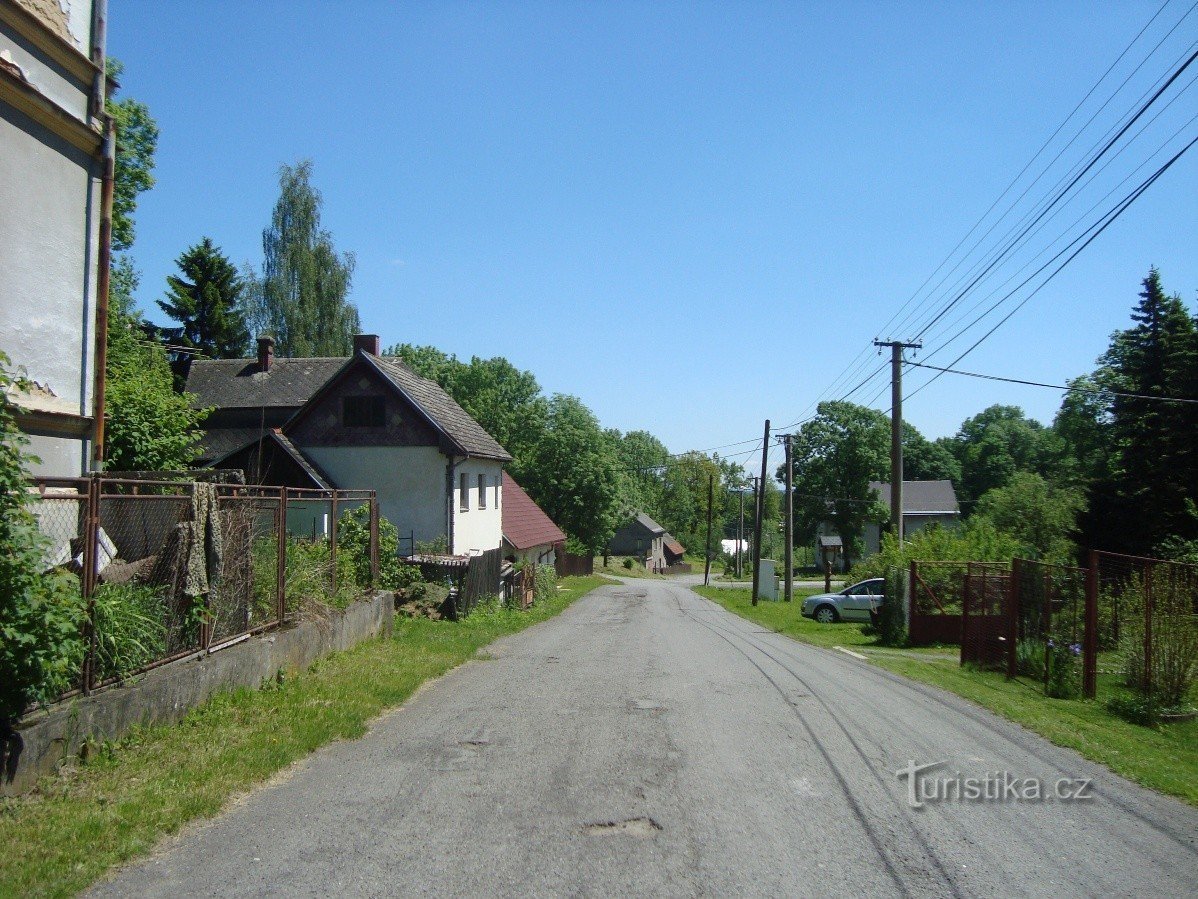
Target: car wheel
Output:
{"points": [[825, 615]]}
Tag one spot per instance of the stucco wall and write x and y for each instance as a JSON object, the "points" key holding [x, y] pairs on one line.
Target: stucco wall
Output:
{"points": [[478, 530], [49, 216], [409, 481]]}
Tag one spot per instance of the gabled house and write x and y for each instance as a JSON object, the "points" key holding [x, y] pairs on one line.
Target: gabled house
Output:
{"points": [[528, 533], [672, 549], [362, 422], [643, 538], [924, 503], [53, 156]]}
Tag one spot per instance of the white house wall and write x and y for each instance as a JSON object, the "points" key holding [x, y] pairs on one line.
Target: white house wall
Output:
{"points": [[409, 482], [478, 530], [49, 216]]}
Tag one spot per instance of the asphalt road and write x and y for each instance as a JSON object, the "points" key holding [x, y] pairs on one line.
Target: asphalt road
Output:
{"points": [[647, 742]]}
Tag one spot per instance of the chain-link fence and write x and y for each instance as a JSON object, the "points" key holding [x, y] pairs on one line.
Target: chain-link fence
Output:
{"points": [[177, 565]]}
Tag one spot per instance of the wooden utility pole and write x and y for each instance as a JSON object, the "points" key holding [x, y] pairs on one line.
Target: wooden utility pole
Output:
{"points": [[896, 430], [790, 518], [765, 452], [707, 548]]}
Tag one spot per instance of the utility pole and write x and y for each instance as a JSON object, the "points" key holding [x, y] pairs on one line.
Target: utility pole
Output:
{"points": [[707, 548], [740, 531], [896, 430], [790, 518], [765, 451]]}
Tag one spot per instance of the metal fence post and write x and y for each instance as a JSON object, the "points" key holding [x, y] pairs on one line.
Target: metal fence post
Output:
{"points": [[281, 560], [333, 544], [1090, 635], [1148, 603], [374, 540], [91, 539], [1013, 614]]}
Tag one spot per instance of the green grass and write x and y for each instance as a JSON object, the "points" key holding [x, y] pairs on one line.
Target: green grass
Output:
{"points": [[1164, 758], [127, 796], [616, 568]]}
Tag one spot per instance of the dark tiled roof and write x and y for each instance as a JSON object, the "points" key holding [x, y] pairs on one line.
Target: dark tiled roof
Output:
{"points": [[525, 525], [290, 383], [830, 541], [310, 468], [220, 442], [937, 497], [649, 524], [241, 384], [454, 421]]}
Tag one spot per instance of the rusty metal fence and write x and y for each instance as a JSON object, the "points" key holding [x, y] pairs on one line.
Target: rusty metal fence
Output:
{"points": [[1145, 625], [180, 565]]}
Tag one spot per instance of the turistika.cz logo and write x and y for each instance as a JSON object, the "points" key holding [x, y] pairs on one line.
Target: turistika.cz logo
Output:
{"points": [[993, 786]]}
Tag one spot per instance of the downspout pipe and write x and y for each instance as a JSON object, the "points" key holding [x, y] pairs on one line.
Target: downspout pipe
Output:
{"points": [[450, 469], [98, 56], [103, 280]]}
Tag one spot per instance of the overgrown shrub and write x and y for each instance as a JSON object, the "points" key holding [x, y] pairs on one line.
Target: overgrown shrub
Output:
{"points": [[629, 563], [353, 540], [1064, 669], [41, 614], [892, 624], [975, 541], [545, 584], [1169, 678], [1029, 658]]}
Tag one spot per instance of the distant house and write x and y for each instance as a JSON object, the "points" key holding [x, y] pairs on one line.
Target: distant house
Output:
{"points": [[52, 90], [672, 549], [924, 503], [643, 538], [361, 422], [528, 533]]}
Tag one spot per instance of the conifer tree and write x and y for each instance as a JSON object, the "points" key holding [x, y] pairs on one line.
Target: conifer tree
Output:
{"points": [[205, 298]]}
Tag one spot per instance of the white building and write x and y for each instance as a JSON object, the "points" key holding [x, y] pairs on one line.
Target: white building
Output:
{"points": [[51, 170], [364, 422]]}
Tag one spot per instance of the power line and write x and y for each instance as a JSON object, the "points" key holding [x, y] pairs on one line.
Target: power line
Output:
{"points": [[1093, 391]]}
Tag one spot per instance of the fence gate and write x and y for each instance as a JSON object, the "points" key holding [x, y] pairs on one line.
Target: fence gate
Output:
{"points": [[986, 616]]}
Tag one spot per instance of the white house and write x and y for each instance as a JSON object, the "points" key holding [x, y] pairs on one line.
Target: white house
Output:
{"points": [[924, 503], [52, 152], [363, 422]]}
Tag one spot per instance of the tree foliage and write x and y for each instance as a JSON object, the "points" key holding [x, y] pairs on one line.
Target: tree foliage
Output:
{"points": [[572, 474], [136, 142], [300, 298], [1039, 514], [205, 298], [149, 426]]}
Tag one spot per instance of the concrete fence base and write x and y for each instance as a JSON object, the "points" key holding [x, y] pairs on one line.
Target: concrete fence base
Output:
{"points": [[166, 694]]}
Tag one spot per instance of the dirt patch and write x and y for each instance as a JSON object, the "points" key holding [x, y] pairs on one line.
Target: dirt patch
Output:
{"points": [[634, 827]]}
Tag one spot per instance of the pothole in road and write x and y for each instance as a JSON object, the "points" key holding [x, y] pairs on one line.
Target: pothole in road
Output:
{"points": [[635, 827]]}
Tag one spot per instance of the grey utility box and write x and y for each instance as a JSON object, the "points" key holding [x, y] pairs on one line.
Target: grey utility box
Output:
{"points": [[768, 580]]}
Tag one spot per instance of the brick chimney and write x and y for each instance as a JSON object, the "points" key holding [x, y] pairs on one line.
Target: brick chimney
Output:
{"points": [[367, 343], [266, 353]]}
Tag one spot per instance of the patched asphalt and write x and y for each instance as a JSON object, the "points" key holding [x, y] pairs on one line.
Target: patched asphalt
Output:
{"points": [[648, 742]]}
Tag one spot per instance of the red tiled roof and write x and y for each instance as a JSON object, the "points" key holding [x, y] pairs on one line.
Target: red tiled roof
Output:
{"points": [[672, 544], [524, 524]]}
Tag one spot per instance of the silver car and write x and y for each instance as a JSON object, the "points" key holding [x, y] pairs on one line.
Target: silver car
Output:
{"points": [[855, 603]]}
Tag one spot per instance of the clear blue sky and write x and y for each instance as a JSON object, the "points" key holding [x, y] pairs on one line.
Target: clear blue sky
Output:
{"points": [[692, 216]]}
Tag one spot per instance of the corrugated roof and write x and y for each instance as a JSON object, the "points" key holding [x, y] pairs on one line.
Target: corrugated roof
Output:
{"points": [[936, 497], [525, 524]]}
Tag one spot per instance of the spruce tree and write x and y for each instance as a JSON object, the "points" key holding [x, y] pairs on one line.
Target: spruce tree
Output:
{"points": [[205, 298]]}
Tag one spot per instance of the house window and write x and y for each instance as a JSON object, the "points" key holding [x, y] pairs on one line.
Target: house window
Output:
{"points": [[363, 411], [464, 490], [482, 491]]}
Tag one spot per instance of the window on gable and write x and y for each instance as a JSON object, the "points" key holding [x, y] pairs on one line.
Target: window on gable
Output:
{"points": [[482, 491], [464, 490], [363, 411]]}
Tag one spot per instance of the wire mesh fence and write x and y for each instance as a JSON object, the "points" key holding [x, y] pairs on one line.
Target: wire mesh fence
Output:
{"points": [[178, 565], [1146, 627]]}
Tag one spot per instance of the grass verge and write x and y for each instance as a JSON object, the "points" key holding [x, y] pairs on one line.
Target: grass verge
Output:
{"points": [[1164, 758], [128, 795]]}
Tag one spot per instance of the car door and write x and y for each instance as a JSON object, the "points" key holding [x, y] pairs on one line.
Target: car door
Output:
{"points": [[855, 605]]}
